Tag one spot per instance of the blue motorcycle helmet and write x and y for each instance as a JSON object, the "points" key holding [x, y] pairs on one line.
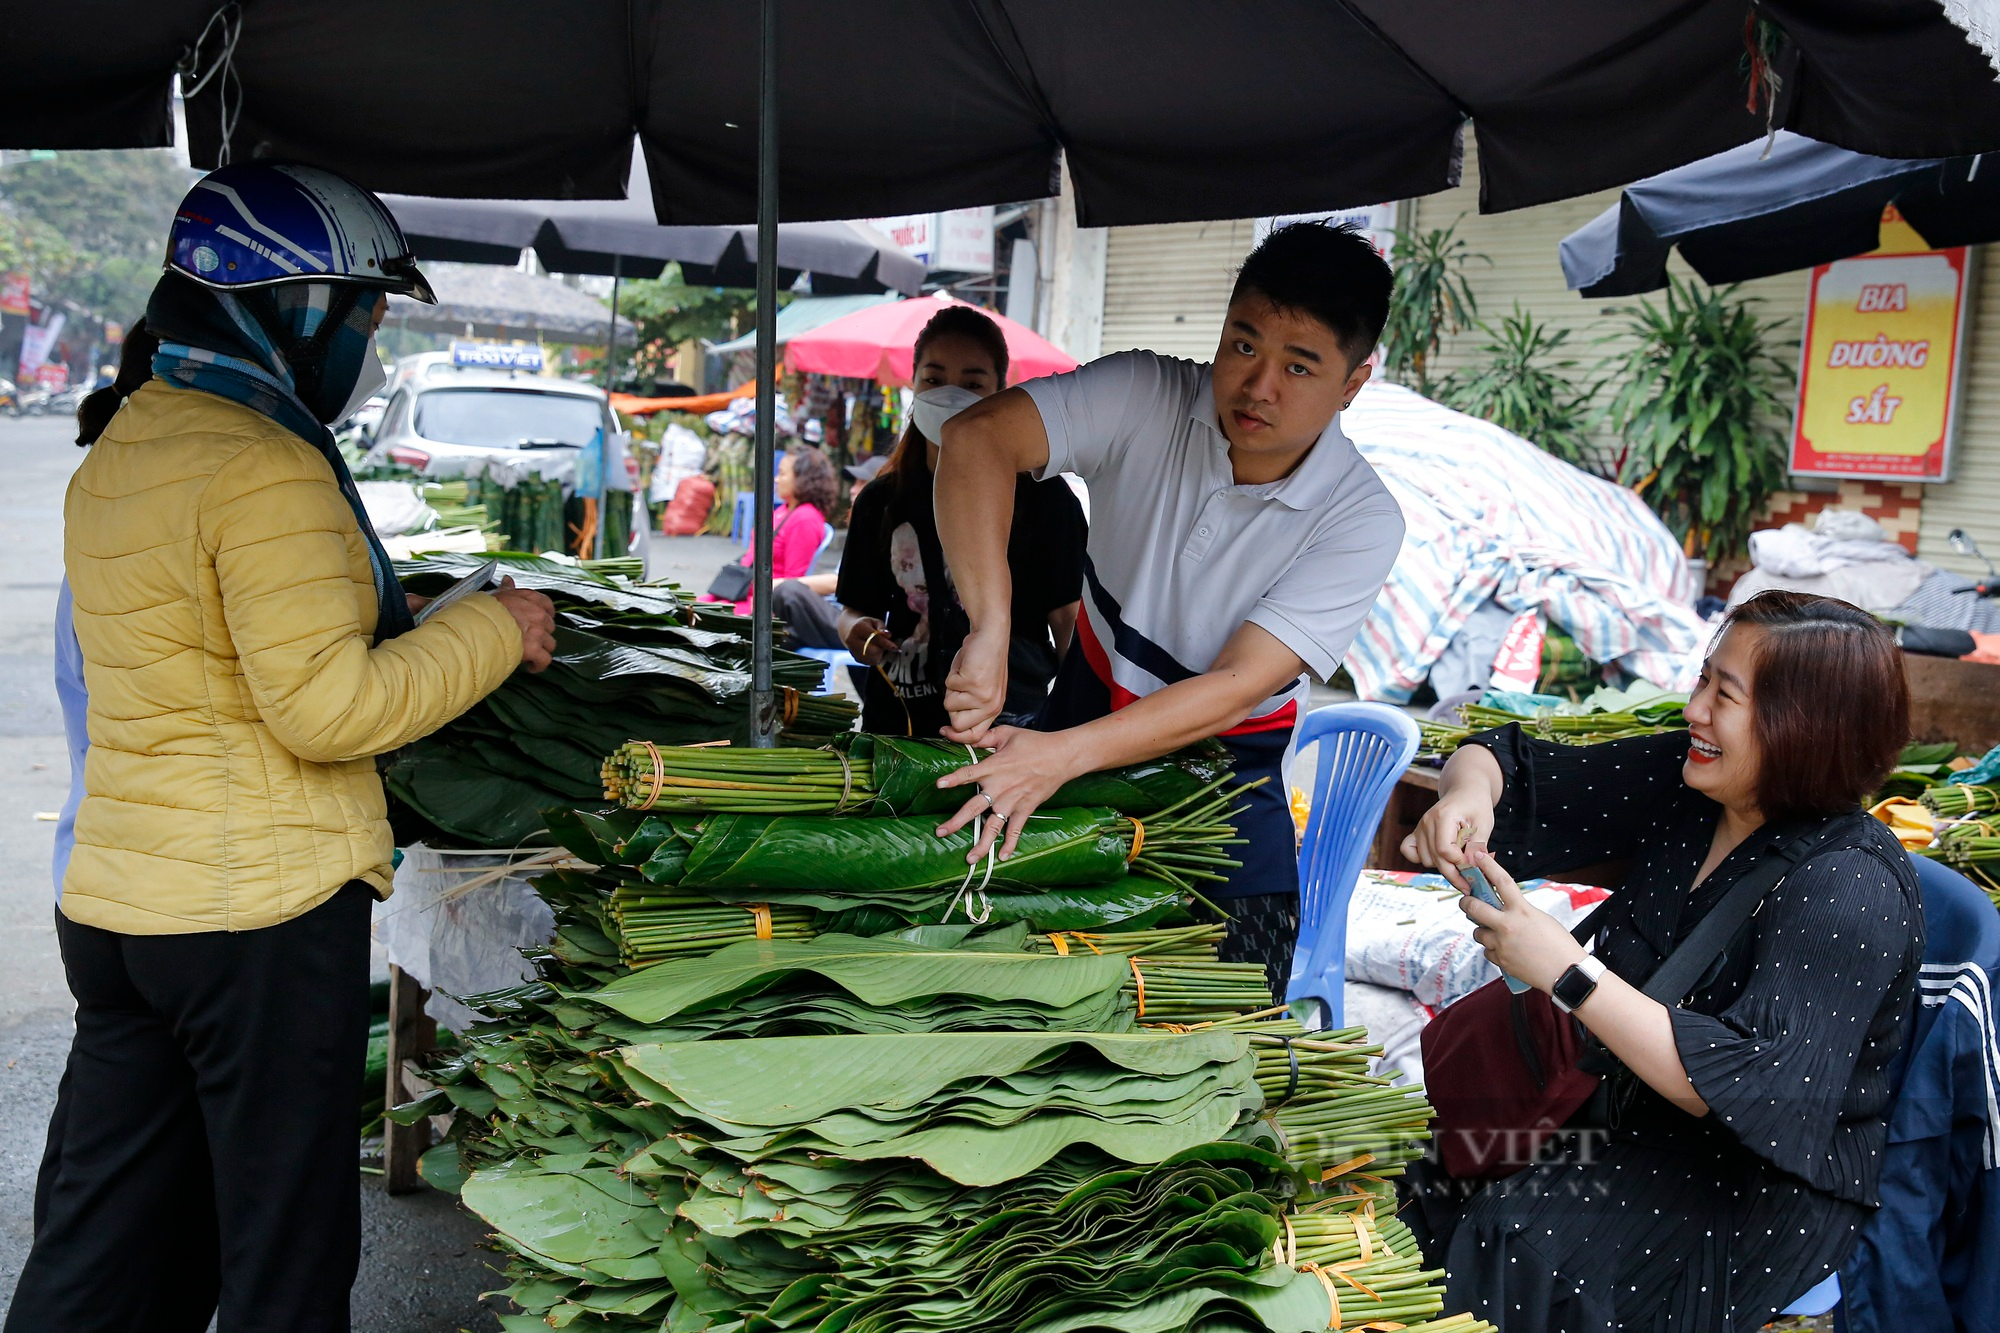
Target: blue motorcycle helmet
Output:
{"points": [[257, 224], [299, 250]]}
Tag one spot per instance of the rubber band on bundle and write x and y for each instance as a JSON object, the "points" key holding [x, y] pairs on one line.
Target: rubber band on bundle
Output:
{"points": [[1332, 1295], [1062, 946], [1139, 979], [1291, 1084], [1339, 1169], [1291, 1240], [1340, 1271], [659, 775], [790, 711], [760, 914], [1138, 840], [846, 778]]}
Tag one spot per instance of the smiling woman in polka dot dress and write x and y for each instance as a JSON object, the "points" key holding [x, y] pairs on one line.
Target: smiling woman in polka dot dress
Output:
{"points": [[1731, 1157]]}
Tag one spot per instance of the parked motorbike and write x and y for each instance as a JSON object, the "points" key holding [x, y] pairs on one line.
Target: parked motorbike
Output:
{"points": [[1962, 543]]}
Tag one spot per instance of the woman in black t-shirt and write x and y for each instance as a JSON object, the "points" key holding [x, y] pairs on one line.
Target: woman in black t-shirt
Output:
{"points": [[899, 613]]}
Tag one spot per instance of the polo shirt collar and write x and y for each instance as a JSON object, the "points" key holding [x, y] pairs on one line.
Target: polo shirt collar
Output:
{"points": [[1312, 481]]}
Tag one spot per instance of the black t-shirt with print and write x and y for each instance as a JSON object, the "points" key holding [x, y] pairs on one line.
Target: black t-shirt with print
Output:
{"points": [[888, 569]]}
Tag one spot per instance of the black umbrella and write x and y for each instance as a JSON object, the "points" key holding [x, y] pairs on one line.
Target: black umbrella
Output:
{"points": [[1163, 109], [1747, 214], [621, 237]]}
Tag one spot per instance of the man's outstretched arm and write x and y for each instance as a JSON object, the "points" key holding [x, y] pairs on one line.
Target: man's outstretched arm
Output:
{"points": [[1026, 767], [982, 450]]}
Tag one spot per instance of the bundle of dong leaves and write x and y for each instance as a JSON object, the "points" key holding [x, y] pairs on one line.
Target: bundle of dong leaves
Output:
{"points": [[629, 660], [932, 1130], [829, 1112], [1606, 715]]}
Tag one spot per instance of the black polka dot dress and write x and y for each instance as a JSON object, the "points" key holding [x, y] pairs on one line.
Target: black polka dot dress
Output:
{"points": [[1646, 1217]]}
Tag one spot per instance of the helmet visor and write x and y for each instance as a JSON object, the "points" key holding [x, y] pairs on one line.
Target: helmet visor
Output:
{"points": [[405, 277]]}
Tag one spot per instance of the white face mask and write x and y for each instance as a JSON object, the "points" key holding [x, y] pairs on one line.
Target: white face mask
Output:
{"points": [[372, 377], [933, 407]]}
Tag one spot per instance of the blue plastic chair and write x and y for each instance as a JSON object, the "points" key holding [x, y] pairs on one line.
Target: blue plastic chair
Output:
{"points": [[1363, 749], [1819, 1300]]}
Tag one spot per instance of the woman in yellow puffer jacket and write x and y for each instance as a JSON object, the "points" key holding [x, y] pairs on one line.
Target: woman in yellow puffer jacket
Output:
{"points": [[248, 653]]}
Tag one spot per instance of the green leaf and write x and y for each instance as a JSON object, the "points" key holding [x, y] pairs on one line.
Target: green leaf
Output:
{"points": [[875, 971]]}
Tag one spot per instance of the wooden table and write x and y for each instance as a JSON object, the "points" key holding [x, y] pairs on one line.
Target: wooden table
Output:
{"points": [[1954, 701], [412, 1034]]}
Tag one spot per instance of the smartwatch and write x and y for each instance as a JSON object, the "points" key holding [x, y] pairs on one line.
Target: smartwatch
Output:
{"points": [[1574, 986]]}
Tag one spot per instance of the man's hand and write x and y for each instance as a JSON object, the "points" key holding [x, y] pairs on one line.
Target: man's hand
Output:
{"points": [[1519, 938], [414, 602], [1025, 769], [536, 615], [976, 689], [868, 639]]}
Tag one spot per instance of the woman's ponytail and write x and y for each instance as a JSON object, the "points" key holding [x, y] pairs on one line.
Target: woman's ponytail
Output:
{"points": [[135, 367]]}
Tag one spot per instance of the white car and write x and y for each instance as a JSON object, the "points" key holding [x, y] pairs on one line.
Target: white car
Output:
{"points": [[450, 419]]}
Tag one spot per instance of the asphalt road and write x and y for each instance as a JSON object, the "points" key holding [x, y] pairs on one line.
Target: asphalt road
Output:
{"points": [[422, 1265]]}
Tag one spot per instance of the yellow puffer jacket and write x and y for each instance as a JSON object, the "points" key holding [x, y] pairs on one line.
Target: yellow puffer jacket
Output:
{"points": [[224, 604]]}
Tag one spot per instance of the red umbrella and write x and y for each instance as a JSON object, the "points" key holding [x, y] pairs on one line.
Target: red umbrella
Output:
{"points": [[879, 343]]}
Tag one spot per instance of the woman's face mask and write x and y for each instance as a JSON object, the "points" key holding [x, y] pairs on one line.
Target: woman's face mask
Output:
{"points": [[372, 378]]}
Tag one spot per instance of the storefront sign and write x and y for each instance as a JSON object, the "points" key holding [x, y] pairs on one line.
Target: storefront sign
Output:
{"points": [[960, 241], [913, 233], [965, 241], [497, 356], [1884, 348], [36, 343], [13, 293], [1377, 222]]}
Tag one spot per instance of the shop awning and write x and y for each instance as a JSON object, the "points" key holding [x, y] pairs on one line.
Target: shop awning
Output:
{"points": [[476, 300], [1746, 214], [1163, 109], [621, 236]]}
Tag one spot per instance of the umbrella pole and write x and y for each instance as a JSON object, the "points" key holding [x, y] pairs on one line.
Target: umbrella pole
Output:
{"points": [[610, 360], [763, 720]]}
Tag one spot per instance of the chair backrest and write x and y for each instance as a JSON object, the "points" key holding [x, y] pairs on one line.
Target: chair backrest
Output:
{"points": [[1363, 749], [825, 540], [1960, 924]]}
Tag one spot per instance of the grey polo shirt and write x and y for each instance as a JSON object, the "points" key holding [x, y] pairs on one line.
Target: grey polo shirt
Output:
{"points": [[1180, 556]]}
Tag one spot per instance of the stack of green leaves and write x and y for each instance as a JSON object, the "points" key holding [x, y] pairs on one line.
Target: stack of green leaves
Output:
{"points": [[1971, 847], [1922, 766], [876, 774], [937, 1132], [627, 659], [529, 513], [1605, 716], [1950, 800], [456, 507]]}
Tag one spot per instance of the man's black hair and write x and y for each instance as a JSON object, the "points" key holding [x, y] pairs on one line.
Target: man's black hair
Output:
{"points": [[1331, 273]]}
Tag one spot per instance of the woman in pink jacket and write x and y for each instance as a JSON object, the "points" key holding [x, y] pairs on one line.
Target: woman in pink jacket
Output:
{"points": [[806, 493]]}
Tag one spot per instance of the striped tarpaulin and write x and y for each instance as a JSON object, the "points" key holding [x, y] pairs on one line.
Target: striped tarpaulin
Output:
{"points": [[1491, 515]]}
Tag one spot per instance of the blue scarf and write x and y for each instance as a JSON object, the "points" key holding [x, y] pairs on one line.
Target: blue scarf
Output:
{"points": [[215, 342]]}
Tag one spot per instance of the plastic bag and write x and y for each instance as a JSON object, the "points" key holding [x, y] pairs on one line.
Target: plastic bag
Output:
{"points": [[457, 931], [688, 510], [1407, 931]]}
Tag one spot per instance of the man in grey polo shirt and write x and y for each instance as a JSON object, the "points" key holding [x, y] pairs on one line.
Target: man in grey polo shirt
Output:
{"points": [[1237, 541]]}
